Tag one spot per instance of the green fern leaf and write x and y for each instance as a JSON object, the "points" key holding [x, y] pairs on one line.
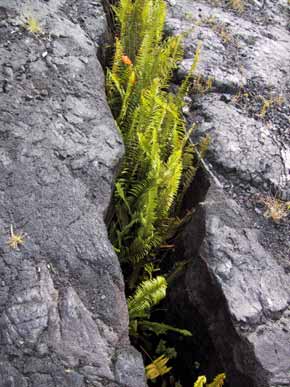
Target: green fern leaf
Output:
{"points": [[148, 294], [157, 367], [218, 381], [200, 381], [161, 328]]}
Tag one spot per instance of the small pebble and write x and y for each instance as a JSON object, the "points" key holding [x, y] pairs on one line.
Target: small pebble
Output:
{"points": [[44, 93], [258, 211], [8, 72], [3, 23]]}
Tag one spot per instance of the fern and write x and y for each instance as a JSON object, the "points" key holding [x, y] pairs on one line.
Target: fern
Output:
{"points": [[183, 90], [148, 294], [159, 162], [200, 381], [156, 162], [161, 328], [157, 368], [163, 349], [218, 381]]}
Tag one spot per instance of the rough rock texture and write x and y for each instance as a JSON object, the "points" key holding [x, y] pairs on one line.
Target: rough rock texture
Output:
{"points": [[241, 292], [239, 282], [247, 57], [63, 313]]}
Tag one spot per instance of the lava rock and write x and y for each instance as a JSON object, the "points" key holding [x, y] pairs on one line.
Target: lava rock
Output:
{"points": [[247, 58], [63, 312], [244, 147], [242, 294], [238, 280]]}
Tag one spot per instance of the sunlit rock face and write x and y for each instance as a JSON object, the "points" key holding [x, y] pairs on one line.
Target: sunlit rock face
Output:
{"points": [[63, 312], [239, 278]]}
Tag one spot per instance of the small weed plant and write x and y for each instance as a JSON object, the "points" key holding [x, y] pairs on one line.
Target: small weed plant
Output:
{"points": [[275, 209], [32, 25], [15, 240]]}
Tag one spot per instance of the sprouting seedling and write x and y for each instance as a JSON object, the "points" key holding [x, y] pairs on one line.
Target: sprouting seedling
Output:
{"points": [[15, 240], [32, 25]]}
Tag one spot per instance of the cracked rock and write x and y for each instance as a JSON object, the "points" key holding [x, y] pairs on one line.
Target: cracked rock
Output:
{"points": [[63, 312]]}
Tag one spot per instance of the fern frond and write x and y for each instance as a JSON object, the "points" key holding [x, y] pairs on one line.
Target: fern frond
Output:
{"points": [[159, 162], [32, 25], [120, 192], [141, 188], [172, 176], [115, 84], [218, 381], [148, 294], [116, 67], [140, 247], [126, 96], [161, 328], [157, 367], [167, 59], [183, 90], [200, 381]]}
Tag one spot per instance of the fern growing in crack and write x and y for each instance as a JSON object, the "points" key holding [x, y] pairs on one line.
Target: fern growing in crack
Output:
{"points": [[159, 162], [147, 295], [217, 382]]}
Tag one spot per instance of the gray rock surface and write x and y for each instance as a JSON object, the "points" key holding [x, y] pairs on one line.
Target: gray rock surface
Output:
{"points": [[240, 280], [243, 148], [247, 57], [242, 294], [236, 46], [63, 313]]}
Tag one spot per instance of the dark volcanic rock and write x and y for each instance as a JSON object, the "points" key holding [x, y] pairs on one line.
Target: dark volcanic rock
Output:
{"points": [[242, 294], [242, 148], [63, 312], [239, 282], [247, 57]]}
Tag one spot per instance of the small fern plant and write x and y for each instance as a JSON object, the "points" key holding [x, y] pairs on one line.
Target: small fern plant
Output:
{"points": [[158, 367], [147, 295], [159, 161], [218, 381]]}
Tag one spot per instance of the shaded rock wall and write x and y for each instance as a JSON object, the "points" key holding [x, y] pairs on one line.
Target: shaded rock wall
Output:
{"points": [[63, 312], [241, 293]]}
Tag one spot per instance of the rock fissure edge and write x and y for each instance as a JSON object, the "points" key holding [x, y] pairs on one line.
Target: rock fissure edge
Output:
{"points": [[63, 311]]}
